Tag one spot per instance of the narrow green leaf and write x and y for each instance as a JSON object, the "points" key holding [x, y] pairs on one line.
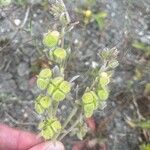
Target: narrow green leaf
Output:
{"points": [[144, 124]]}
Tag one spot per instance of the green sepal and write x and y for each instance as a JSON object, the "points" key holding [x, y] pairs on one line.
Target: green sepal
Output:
{"points": [[45, 73], [42, 83], [103, 94], [58, 95], [65, 87], [51, 38]]}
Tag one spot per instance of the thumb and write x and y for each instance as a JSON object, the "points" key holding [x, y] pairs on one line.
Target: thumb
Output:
{"points": [[52, 145]]}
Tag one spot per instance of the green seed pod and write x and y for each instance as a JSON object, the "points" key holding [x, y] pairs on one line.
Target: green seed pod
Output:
{"points": [[58, 88], [56, 81], [45, 102], [60, 53], [90, 103], [51, 89], [42, 102], [49, 128], [41, 125], [47, 133], [87, 98], [58, 95], [65, 87], [56, 126], [38, 108], [45, 73], [51, 38], [88, 110], [104, 79], [103, 94], [42, 83]]}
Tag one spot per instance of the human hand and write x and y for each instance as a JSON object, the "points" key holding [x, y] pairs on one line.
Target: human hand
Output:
{"points": [[13, 139]]}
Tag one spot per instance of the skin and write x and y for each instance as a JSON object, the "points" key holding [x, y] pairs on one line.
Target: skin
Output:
{"points": [[14, 139]]}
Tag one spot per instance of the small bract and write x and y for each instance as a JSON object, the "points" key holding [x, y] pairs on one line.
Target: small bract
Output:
{"points": [[51, 38]]}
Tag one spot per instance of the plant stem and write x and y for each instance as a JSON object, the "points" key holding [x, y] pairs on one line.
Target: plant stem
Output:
{"points": [[55, 108], [66, 12], [73, 112], [71, 128], [62, 35]]}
